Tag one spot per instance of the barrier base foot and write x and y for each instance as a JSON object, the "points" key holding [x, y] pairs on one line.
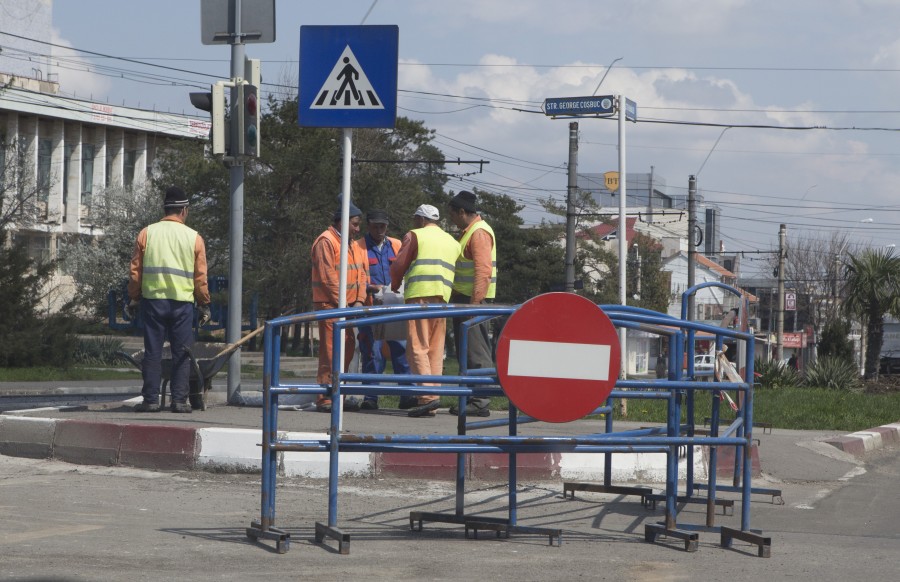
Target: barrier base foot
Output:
{"points": [[691, 540], [763, 544], [777, 497], [477, 523], [281, 538], [343, 539], [596, 488], [650, 501]]}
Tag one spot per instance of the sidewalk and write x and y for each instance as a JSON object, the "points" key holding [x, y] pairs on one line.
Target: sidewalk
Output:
{"points": [[227, 439]]}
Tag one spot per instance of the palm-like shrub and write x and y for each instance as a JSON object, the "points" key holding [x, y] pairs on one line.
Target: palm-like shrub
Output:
{"points": [[775, 374], [834, 373]]}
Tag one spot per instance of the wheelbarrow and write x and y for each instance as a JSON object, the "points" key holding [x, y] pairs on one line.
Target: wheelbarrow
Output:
{"points": [[206, 360]]}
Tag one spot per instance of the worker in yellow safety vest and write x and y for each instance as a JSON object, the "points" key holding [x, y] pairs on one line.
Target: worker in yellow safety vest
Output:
{"points": [[475, 283], [426, 265], [167, 274]]}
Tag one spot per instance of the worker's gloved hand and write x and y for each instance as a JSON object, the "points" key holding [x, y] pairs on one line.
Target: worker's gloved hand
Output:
{"points": [[205, 315], [131, 309]]}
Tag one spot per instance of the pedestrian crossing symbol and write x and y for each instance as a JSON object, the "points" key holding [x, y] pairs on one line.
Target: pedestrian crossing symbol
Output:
{"points": [[347, 87], [348, 76]]}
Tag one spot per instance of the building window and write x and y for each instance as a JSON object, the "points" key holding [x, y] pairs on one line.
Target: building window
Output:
{"points": [[109, 166], [37, 246], [3, 180], [128, 172], [68, 150], [45, 156], [87, 174]]}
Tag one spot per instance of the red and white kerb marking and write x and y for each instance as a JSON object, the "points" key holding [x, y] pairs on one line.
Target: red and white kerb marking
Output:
{"points": [[558, 357]]}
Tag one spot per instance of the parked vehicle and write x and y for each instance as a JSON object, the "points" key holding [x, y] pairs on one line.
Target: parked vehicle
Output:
{"points": [[704, 363]]}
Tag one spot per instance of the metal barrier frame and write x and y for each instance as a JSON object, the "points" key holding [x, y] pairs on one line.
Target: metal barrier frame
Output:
{"points": [[483, 382]]}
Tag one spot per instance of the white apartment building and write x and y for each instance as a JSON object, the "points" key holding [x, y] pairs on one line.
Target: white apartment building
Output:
{"points": [[70, 150]]}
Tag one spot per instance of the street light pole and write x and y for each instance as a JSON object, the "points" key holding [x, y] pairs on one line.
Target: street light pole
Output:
{"points": [[637, 260], [779, 330]]}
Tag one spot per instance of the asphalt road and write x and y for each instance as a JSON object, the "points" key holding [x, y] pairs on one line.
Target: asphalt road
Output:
{"points": [[68, 522]]}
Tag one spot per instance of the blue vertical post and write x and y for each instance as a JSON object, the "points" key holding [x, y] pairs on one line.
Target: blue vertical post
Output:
{"points": [[672, 460], [461, 460], [607, 458], [335, 431], [267, 486], [713, 459], [748, 422], [513, 470], [689, 404], [462, 358]]}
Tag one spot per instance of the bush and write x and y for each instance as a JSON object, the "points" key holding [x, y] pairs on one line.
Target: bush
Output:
{"points": [[835, 340], [775, 374], [833, 372], [99, 351]]}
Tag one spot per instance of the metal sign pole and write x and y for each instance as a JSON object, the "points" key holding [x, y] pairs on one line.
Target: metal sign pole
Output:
{"points": [[345, 246], [236, 237], [623, 235]]}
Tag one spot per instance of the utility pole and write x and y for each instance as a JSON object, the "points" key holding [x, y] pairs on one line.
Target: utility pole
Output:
{"points": [[236, 232], [779, 329], [570, 207], [692, 245]]}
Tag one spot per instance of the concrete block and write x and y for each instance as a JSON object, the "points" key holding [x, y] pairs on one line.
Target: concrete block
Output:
{"points": [[495, 466], [158, 447], [87, 443], [316, 464], [890, 434], [22, 436], [440, 466], [628, 467], [848, 444], [231, 448], [871, 440], [725, 462]]}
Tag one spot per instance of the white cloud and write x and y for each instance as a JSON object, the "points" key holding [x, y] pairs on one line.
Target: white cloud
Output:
{"points": [[74, 71]]}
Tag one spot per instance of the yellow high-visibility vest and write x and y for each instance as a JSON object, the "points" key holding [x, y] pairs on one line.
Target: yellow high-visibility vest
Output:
{"points": [[464, 281], [169, 262], [431, 272]]}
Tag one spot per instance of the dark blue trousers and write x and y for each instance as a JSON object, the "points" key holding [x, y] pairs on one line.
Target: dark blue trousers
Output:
{"points": [[373, 361], [173, 320]]}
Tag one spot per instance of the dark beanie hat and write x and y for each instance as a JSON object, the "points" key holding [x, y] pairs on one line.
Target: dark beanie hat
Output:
{"points": [[377, 217], [465, 200], [175, 198], [354, 211]]}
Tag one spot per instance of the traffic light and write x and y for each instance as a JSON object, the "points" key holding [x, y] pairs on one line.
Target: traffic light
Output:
{"points": [[248, 121], [214, 102]]}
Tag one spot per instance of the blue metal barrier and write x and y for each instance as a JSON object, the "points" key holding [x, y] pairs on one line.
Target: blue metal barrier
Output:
{"points": [[677, 391]]}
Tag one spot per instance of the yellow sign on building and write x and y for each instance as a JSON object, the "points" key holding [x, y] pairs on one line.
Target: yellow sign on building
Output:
{"points": [[612, 181]]}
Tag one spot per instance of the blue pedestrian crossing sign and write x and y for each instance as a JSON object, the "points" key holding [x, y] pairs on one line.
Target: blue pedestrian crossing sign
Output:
{"points": [[348, 76]]}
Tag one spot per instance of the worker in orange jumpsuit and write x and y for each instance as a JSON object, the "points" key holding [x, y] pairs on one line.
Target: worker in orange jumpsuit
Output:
{"points": [[425, 265], [326, 265]]}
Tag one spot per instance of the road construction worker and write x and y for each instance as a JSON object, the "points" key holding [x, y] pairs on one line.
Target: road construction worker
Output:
{"points": [[425, 265], [167, 274], [475, 283], [381, 251], [326, 264]]}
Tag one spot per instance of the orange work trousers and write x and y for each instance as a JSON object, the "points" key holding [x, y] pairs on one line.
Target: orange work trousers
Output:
{"points": [[425, 345], [326, 349]]}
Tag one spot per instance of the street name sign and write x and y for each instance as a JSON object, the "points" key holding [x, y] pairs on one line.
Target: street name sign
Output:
{"points": [[575, 106], [558, 357]]}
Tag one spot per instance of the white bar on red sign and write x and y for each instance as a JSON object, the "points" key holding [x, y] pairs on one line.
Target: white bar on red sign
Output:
{"points": [[558, 360]]}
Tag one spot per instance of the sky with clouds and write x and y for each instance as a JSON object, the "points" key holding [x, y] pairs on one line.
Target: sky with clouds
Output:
{"points": [[478, 71]]}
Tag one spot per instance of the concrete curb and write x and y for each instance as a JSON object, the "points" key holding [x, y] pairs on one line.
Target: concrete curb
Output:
{"points": [[865, 441], [238, 450]]}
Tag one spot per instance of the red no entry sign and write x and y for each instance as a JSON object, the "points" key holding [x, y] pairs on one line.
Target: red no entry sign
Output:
{"points": [[558, 357]]}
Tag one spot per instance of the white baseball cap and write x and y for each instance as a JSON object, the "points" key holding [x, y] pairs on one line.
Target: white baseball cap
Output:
{"points": [[428, 211]]}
